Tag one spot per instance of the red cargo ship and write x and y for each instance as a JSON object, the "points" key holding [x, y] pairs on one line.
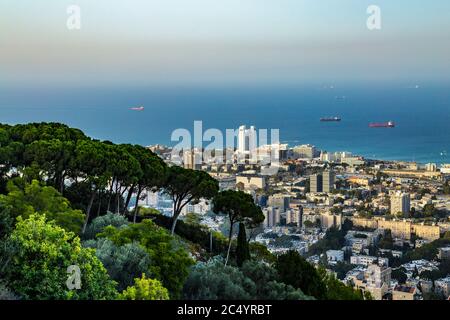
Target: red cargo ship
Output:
{"points": [[389, 124]]}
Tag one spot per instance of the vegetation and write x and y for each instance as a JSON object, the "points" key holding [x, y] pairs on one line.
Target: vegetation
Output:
{"points": [[45, 277], [170, 261], [188, 186], [334, 239], [242, 249], [239, 207], [255, 280], [145, 289], [297, 272], [58, 185], [123, 263]]}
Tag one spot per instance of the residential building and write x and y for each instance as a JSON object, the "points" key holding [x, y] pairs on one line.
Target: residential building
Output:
{"points": [[400, 203], [405, 293], [334, 256], [315, 183], [328, 181], [305, 151]]}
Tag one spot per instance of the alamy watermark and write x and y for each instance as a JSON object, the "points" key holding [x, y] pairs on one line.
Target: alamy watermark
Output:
{"points": [[374, 19], [233, 147], [74, 277], [74, 18]]}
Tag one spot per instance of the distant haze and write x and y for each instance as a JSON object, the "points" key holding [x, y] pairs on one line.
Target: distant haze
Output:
{"points": [[218, 42]]}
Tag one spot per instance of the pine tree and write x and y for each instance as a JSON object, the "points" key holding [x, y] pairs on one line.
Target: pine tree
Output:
{"points": [[242, 249]]}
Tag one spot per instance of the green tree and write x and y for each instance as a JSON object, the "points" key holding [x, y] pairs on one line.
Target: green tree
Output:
{"points": [[294, 270], [337, 290], [54, 157], [145, 289], [239, 207], [267, 283], [170, 261], [399, 274], [100, 223], [91, 163], [42, 254], [188, 186], [213, 280], [242, 248], [123, 263], [151, 175], [25, 199]]}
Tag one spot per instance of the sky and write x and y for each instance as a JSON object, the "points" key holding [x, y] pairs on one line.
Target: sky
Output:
{"points": [[221, 42]]}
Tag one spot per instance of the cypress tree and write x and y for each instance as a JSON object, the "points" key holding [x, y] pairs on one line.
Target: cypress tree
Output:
{"points": [[242, 249]]}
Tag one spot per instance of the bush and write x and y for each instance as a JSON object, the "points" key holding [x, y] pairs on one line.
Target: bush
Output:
{"points": [[213, 280], [124, 263], [6, 293], [145, 289], [43, 252], [294, 270], [99, 224], [170, 260]]}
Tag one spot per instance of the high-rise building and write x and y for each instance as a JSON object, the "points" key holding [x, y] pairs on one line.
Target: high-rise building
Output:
{"points": [[192, 159], [294, 216], [328, 181], [279, 200], [272, 216], [306, 151], [432, 167], [247, 139], [315, 183], [400, 203]]}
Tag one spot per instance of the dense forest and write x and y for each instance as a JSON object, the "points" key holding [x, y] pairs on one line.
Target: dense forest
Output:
{"points": [[66, 231]]}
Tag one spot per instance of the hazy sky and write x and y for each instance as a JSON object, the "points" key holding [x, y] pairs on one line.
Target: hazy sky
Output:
{"points": [[147, 42]]}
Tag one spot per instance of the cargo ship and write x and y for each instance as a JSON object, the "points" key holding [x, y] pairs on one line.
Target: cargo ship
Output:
{"points": [[389, 124], [330, 119]]}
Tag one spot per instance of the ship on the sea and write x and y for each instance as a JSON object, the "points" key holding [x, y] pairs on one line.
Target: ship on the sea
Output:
{"points": [[330, 119], [137, 108], [389, 124]]}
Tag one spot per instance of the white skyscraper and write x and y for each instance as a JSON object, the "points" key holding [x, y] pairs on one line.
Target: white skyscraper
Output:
{"points": [[247, 139]]}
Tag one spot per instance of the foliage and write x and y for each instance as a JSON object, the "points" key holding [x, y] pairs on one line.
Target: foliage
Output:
{"points": [[297, 272], [124, 263], [43, 253], [6, 293], [25, 199], [6, 221], [399, 274], [198, 234], [260, 252], [337, 290], [170, 261], [188, 186], [267, 283], [386, 242], [239, 207], [100, 223], [242, 248], [341, 268], [334, 239], [427, 251], [213, 280], [145, 289]]}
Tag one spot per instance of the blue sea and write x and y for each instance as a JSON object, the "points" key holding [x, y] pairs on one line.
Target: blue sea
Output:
{"points": [[421, 114]]}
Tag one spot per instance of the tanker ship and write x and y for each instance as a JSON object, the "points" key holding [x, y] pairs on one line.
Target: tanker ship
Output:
{"points": [[330, 119], [389, 124]]}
